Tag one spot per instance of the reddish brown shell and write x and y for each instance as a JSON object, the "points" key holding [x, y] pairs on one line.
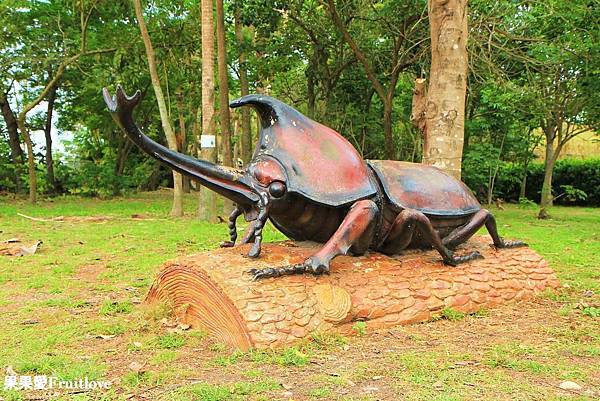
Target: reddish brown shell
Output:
{"points": [[319, 163], [424, 188]]}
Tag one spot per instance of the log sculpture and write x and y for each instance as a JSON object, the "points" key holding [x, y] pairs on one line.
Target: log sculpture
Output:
{"points": [[212, 290]]}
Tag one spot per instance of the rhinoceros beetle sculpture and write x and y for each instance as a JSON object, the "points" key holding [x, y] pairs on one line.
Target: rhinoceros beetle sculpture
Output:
{"points": [[311, 183]]}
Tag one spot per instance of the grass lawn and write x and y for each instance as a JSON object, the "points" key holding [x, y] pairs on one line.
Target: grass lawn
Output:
{"points": [[73, 310]]}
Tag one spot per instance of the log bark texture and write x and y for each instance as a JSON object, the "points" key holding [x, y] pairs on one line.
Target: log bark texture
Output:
{"points": [[212, 291]]}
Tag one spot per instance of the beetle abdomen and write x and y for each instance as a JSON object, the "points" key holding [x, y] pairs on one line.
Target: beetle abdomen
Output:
{"points": [[424, 188]]}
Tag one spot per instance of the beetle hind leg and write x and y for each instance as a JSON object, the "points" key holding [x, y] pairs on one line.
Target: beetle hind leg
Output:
{"points": [[481, 218], [403, 230]]}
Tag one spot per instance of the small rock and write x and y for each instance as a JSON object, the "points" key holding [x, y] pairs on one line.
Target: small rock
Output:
{"points": [[346, 347], [287, 393], [377, 377], [286, 386], [569, 385], [184, 326], [30, 321], [370, 389], [137, 344], [438, 385]]}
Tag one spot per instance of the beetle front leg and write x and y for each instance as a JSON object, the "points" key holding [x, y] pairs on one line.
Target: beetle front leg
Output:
{"points": [[355, 234], [235, 213]]}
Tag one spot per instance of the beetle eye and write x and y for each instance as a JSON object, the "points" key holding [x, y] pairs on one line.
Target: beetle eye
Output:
{"points": [[277, 189]]}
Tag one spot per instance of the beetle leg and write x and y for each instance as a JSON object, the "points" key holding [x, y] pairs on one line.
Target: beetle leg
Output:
{"points": [[403, 230], [354, 234], [249, 233], [263, 215], [235, 213], [463, 233]]}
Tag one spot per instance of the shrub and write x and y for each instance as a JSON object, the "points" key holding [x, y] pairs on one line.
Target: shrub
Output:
{"points": [[582, 175]]}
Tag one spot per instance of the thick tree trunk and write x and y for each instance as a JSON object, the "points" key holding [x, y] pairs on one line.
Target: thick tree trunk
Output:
{"points": [[207, 205], [246, 134], [445, 108], [16, 153], [177, 209], [48, 135]]}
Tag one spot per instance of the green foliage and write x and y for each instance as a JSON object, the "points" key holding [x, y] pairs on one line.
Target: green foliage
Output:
{"points": [[578, 180], [116, 307], [170, 341], [452, 314], [360, 328], [591, 311]]}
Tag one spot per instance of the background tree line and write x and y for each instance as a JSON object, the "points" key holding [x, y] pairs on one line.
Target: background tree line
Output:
{"points": [[531, 81]]}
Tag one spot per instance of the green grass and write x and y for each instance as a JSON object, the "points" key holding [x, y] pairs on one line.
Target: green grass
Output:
{"points": [[82, 292]]}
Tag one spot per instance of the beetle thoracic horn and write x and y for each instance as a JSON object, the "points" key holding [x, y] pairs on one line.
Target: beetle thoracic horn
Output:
{"points": [[221, 179]]}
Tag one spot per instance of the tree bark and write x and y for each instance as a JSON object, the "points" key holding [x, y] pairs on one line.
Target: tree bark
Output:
{"points": [[48, 134], [445, 108], [182, 136], [177, 209], [16, 153], [546, 195], [207, 205], [225, 118], [246, 135], [385, 94]]}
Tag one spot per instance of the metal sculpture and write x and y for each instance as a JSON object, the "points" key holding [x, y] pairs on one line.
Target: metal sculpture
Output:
{"points": [[312, 184]]}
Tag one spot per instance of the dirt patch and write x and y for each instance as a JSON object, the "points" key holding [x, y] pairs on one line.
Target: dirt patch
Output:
{"points": [[90, 273]]}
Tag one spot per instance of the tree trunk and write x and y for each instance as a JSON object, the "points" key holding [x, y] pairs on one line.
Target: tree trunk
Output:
{"points": [[246, 134], [223, 94], [30, 158], [177, 209], [387, 128], [16, 153], [48, 135], [182, 137], [546, 196], [207, 206], [445, 108]]}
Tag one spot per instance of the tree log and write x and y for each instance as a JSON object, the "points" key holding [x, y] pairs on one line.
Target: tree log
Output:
{"points": [[212, 290]]}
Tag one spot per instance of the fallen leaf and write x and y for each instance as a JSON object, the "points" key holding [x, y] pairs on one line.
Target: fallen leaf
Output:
{"points": [[105, 336], [137, 344], [184, 326], [438, 385], [377, 377], [30, 321], [10, 371], [165, 322], [137, 367]]}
